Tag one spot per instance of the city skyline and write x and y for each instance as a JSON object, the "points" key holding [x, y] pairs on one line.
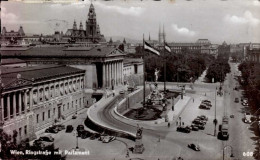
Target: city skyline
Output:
{"points": [[183, 21]]}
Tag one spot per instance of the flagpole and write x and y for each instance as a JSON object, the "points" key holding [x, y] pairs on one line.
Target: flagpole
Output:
{"points": [[164, 66], [143, 73]]}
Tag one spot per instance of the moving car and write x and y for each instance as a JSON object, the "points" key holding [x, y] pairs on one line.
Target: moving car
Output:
{"points": [[108, 139], [122, 92], [245, 103], [236, 100], [247, 118], [74, 116], [194, 147], [69, 129], [80, 129], [183, 129]]}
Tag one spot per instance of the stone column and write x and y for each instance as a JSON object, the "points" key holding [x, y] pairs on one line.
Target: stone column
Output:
{"points": [[25, 101], [116, 73], [109, 74], [20, 103], [104, 75], [31, 99], [2, 109], [8, 106], [14, 105], [122, 76], [113, 73]]}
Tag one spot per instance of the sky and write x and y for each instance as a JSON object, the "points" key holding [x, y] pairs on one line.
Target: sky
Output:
{"points": [[233, 21]]}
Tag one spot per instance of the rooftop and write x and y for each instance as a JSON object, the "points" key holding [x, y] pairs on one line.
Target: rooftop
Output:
{"points": [[101, 51], [37, 73]]}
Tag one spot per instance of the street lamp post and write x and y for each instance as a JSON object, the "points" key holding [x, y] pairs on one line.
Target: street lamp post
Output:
{"points": [[224, 151]]}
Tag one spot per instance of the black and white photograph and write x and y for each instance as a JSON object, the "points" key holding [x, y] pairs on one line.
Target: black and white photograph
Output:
{"points": [[130, 80]]}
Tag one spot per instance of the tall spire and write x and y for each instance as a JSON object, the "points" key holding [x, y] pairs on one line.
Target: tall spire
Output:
{"points": [[149, 37], [163, 34], [75, 25], [159, 36]]}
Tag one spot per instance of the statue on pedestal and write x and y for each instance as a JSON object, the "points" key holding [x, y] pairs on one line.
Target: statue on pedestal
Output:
{"points": [[156, 73]]}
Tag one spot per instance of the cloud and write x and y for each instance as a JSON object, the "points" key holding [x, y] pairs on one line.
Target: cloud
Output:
{"points": [[131, 11], [256, 3], [247, 18], [183, 30], [8, 17]]}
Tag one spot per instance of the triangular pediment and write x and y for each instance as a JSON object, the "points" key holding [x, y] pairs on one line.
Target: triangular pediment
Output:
{"points": [[18, 83], [115, 52]]}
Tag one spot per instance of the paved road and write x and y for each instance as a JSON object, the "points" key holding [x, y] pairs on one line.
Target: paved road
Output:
{"points": [[166, 143], [241, 138]]}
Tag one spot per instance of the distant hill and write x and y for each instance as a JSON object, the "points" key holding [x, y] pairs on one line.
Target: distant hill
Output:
{"points": [[120, 38]]}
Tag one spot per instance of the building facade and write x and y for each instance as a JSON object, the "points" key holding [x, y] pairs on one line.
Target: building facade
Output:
{"points": [[133, 71], [34, 98], [103, 65], [253, 52]]}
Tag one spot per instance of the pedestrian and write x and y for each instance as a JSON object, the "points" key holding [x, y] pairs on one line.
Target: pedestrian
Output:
{"points": [[169, 124], [159, 139], [193, 100], [183, 123], [176, 123], [127, 154]]}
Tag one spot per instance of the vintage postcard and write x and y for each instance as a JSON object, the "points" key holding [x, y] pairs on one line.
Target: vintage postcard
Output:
{"points": [[130, 79]]}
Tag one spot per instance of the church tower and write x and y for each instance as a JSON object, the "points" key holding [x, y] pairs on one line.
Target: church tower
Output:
{"points": [[91, 23]]}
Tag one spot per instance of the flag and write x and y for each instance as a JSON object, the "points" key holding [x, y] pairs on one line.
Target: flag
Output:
{"points": [[150, 48], [166, 46]]}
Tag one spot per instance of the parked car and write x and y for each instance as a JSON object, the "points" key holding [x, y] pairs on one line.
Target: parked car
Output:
{"points": [[85, 134], [60, 127], [203, 106], [108, 139], [69, 129], [183, 129], [94, 136], [199, 122], [236, 100], [203, 117], [200, 126], [194, 147], [194, 127], [52, 129], [48, 138], [44, 143]]}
